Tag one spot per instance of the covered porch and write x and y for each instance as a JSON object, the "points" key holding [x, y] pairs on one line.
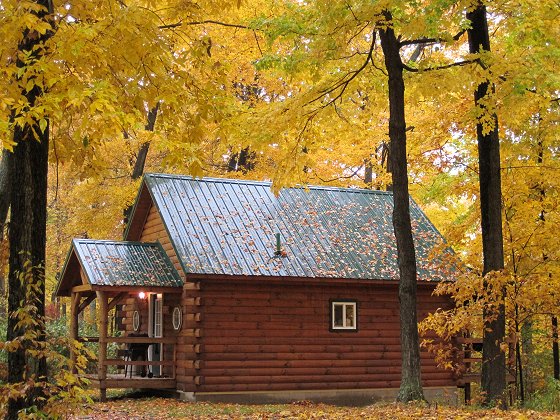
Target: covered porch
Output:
{"points": [[138, 282]]}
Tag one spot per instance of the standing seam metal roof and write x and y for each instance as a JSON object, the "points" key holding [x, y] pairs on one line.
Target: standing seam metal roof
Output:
{"points": [[112, 263], [224, 226]]}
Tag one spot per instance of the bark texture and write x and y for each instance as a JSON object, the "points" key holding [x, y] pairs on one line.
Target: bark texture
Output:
{"points": [[493, 380], [4, 208], [411, 385], [28, 168], [140, 163]]}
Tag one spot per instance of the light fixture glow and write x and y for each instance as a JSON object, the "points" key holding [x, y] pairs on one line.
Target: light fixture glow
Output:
{"points": [[141, 295]]}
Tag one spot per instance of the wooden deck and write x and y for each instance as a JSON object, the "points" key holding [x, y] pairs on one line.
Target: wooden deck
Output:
{"points": [[136, 382]]}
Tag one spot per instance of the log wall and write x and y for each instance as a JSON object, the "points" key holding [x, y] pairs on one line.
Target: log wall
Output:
{"points": [[187, 339], [266, 337], [242, 335]]}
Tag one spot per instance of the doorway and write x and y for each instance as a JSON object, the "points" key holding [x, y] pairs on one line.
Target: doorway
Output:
{"points": [[155, 329]]}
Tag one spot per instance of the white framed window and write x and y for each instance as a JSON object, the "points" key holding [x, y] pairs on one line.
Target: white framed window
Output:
{"points": [[158, 316], [136, 321], [177, 318], [344, 315]]}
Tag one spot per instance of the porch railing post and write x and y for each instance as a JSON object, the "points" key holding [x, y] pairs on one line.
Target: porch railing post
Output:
{"points": [[74, 303], [102, 368]]}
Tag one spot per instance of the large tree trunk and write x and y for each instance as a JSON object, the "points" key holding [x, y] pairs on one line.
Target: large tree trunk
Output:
{"points": [[411, 384], [140, 163], [28, 168], [493, 381], [4, 208]]}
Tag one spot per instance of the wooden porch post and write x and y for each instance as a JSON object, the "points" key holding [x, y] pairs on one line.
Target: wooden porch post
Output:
{"points": [[75, 300], [102, 368]]}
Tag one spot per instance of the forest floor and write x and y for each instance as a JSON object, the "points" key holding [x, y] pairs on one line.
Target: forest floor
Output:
{"points": [[166, 408]]}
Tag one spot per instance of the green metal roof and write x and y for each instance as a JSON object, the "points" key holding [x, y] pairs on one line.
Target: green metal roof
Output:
{"points": [[111, 263], [223, 226]]}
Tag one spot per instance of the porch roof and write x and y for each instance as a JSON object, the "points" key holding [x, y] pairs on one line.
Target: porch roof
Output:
{"points": [[117, 264]]}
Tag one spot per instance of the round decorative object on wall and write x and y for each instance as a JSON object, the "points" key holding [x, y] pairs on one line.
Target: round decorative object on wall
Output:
{"points": [[177, 318], [136, 320]]}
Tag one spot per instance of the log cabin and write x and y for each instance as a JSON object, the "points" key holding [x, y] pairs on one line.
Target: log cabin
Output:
{"points": [[229, 291]]}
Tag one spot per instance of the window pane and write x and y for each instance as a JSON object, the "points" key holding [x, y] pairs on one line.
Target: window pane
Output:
{"points": [[350, 315], [338, 316]]}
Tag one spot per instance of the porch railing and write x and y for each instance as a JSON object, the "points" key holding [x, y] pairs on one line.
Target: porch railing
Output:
{"points": [[164, 341]]}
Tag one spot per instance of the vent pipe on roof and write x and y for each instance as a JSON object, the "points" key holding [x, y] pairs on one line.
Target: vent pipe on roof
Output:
{"points": [[278, 251]]}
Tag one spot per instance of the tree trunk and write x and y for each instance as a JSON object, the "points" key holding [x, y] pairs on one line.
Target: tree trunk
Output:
{"points": [[4, 208], [555, 353], [493, 381], [411, 384], [4, 191], [519, 361], [28, 168], [140, 163], [528, 351]]}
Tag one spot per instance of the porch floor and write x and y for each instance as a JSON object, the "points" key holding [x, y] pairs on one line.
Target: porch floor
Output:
{"points": [[136, 382]]}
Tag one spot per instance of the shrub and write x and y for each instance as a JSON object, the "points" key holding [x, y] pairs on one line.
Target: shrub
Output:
{"points": [[547, 398]]}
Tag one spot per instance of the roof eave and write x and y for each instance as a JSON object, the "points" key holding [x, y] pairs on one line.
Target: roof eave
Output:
{"points": [[65, 269]]}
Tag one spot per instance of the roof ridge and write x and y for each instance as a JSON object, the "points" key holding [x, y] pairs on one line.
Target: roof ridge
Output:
{"points": [[267, 183]]}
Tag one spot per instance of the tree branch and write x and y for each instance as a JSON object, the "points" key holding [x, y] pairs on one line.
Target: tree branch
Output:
{"points": [[346, 79], [430, 40], [447, 66], [204, 22]]}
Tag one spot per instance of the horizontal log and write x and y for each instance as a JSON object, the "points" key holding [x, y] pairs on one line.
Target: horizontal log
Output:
{"points": [[192, 301], [231, 314], [296, 323], [153, 227], [319, 335], [187, 379], [296, 379], [242, 297], [429, 372], [186, 341], [243, 356], [322, 304], [121, 362], [190, 293], [191, 348], [152, 220], [191, 332], [336, 288], [240, 387], [142, 340], [192, 317], [328, 363], [300, 348], [187, 355], [191, 286], [471, 359], [284, 336], [189, 364], [144, 383]]}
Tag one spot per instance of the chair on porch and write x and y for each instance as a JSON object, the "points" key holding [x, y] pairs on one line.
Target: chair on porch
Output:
{"points": [[136, 352]]}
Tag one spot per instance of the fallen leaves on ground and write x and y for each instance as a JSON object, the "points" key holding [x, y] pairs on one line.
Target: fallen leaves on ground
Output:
{"points": [[165, 408]]}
